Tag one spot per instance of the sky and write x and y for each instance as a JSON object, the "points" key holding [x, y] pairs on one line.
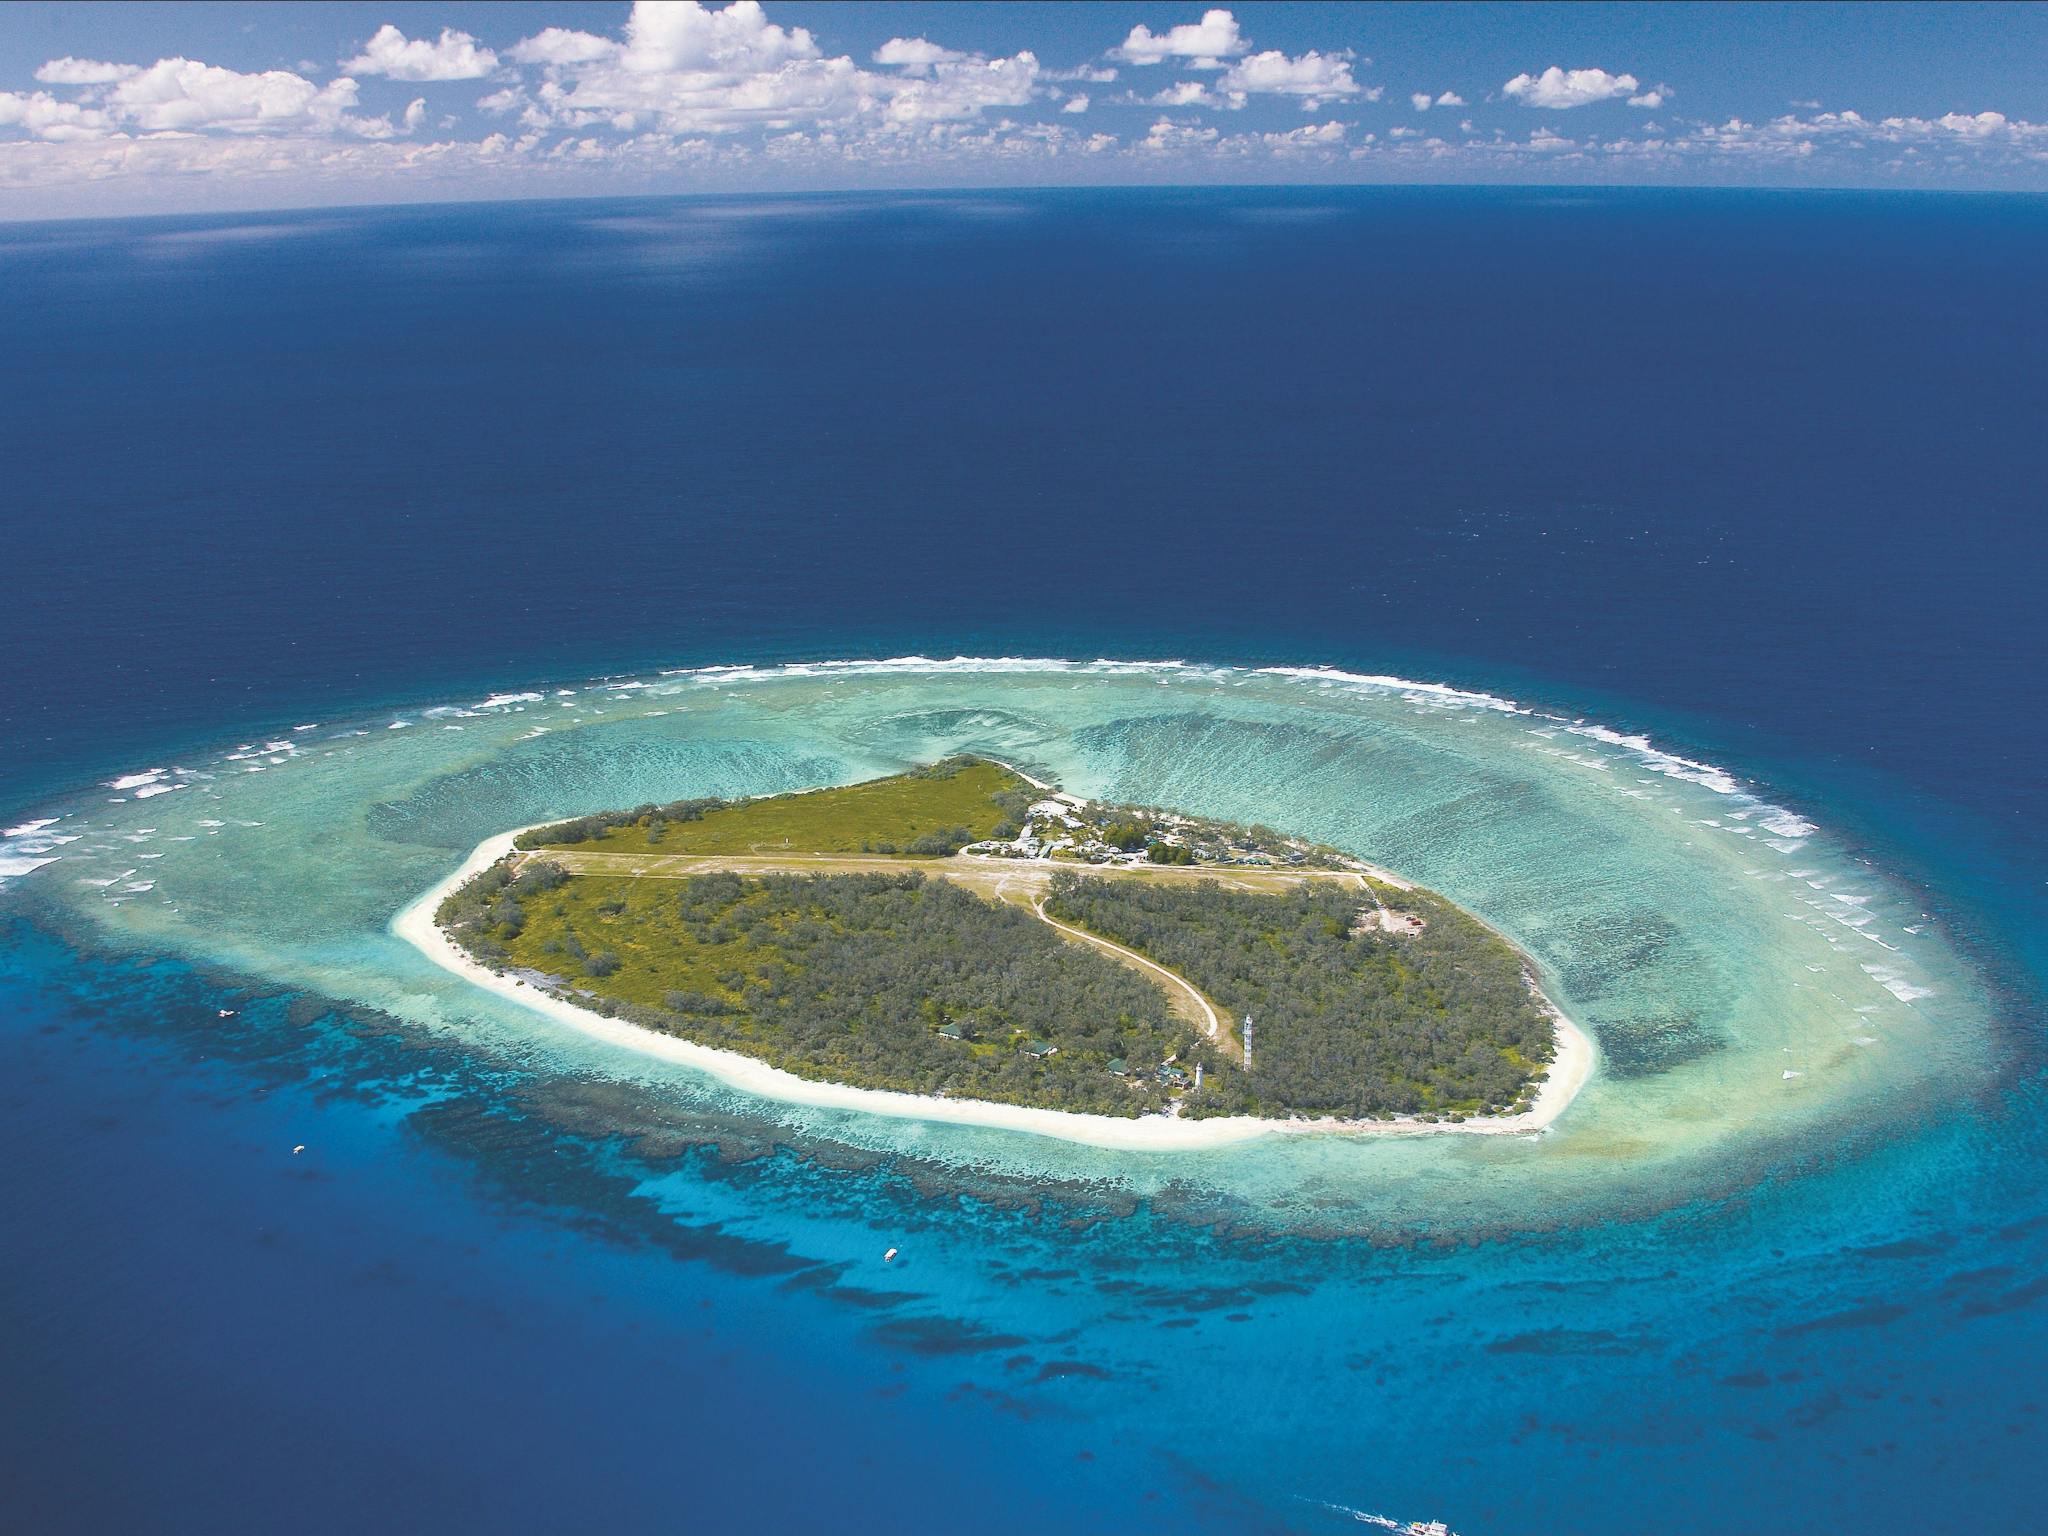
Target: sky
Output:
{"points": [[127, 108]]}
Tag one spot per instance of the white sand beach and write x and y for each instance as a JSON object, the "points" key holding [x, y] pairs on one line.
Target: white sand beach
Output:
{"points": [[1569, 1070]]}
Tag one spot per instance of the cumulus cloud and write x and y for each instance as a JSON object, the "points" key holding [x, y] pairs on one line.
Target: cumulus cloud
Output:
{"points": [[965, 88], [562, 45], [1314, 76], [1978, 125], [1322, 137], [684, 69], [914, 55], [455, 56], [1655, 96], [1422, 101], [683, 35], [1189, 93], [186, 95], [1076, 103], [43, 116], [1205, 43], [1167, 136], [70, 71], [1557, 89]]}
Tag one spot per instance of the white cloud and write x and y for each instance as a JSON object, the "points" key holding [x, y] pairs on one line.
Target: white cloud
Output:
{"points": [[685, 69], [1167, 136], [1557, 89], [561, 45], [415, 114], [183, 94], [189, 97], [914, 55], [683, 35], [1315, 76], [43, 116], [1077, 103], [1322, 136], [186, 96], [1422, 101], [1208, 41], [965, 89], [1189, 93], [455, 56], [70, 71], [1654, 97], [1981, 125]]}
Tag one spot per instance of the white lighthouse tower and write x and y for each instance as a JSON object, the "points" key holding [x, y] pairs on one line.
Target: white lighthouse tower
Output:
{"points": [[1247, 1042]]}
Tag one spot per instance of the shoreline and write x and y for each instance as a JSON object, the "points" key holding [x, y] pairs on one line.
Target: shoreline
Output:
{"points": [[1569, 1069]]}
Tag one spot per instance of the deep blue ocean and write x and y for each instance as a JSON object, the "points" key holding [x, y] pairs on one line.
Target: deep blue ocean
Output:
{"points": [[1759, 473]]}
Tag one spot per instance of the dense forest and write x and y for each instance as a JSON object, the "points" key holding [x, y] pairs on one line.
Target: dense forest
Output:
{"points": [[881, 981], [1348, 1019]]}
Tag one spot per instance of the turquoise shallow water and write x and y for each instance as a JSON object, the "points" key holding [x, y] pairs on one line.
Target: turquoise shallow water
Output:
{"points": [[1796, 1139]]}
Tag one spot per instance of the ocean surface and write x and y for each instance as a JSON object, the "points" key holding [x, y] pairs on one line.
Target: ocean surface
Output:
{"points": [[1655, 573]]}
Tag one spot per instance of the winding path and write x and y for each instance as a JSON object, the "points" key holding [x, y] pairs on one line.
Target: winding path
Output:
{"points": [[1217, 1031], [1018, 881]]}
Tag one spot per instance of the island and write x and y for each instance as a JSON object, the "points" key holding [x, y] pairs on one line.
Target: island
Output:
{"points": [[967, 942]]}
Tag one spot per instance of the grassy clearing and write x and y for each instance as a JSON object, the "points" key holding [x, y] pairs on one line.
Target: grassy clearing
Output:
{"points": [[928, 811]]}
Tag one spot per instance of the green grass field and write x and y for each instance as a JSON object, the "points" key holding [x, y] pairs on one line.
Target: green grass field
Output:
{"points": [[883, 815], [635, 920]]}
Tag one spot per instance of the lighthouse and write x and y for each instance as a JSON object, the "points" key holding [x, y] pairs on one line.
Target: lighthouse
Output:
{"points": [[1247, 1042]]}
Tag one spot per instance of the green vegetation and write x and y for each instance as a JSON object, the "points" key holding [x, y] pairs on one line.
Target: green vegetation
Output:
{"points": [[881, 981], [1349, 1019], [928, 812], [1127, 836], [892, 980]]}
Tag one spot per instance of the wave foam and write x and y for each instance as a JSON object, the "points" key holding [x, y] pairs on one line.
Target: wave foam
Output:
{"points": [[1896, 984], [28, 847]]}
